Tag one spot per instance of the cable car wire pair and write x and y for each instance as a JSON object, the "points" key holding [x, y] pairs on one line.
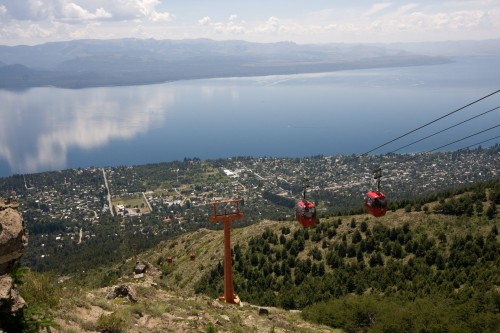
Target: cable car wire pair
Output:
{"points": [[433, 121], [450, 127], [375, 201]]}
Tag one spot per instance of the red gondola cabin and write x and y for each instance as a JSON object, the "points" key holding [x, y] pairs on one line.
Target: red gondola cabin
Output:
{"points": [[305, 212], [376, 203]]}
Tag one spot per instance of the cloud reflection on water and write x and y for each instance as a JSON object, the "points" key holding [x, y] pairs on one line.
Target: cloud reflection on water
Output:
{"points": [[40, 126]]}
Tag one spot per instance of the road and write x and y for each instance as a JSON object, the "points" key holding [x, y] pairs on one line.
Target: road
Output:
{"points": [[147, 202], [109, 193]]}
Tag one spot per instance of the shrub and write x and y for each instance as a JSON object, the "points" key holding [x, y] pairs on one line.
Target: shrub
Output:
{"points": [[211, 328], [42, 294], [112, 323]]}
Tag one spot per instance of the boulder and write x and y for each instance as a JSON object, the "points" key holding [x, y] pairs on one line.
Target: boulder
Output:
{"points": [[215, 304], [123, 290], [10, 300], [13, 235], [13, 243], [140, 267], [143, 267]]}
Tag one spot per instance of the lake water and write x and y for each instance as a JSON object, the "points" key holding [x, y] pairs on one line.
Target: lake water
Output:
{"points": [[347, 112]]}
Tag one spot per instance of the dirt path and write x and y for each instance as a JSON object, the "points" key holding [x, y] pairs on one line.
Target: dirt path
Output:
{"points": [[109, 193], [147, 202]]}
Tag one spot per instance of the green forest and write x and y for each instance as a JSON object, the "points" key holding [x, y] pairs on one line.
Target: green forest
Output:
{"points": [[439, 271]]}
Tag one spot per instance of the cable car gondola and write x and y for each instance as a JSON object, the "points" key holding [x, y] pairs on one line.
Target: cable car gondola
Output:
{"points": [[375, 201], [305, 211]]}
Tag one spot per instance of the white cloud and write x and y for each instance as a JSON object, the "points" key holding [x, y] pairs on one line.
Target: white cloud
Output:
{"points": [[161, 17], [140, 30], [29, 31], [383, 21], [229, 28], [205, 21], [406, 8], [235, 28], [34, 10], [450, 21], [72, 11], [148, 10], [272, 25], [377, 8], [405, 23], [64, 10], [87, 30], [36, 30]]}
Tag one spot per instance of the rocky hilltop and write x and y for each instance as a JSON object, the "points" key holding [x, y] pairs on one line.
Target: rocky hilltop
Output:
{"points": [[13, 242]]}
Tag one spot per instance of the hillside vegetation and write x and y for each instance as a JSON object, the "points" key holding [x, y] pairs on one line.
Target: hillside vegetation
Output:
{"points": [[411, 270]]}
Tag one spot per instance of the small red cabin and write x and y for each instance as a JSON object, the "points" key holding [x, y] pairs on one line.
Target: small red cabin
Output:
{"points": [[376, 203], [170, 260], [305, 212], [192, 256]]}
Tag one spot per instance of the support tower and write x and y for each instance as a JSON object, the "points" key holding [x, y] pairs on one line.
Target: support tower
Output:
{"points": [[228, 211]]}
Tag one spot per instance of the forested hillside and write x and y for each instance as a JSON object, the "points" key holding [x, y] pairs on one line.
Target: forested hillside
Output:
{"points": [[407, 271]]}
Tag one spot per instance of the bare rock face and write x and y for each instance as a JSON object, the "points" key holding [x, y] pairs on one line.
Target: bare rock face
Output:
{"points": [[13, 242], [10, 300], [13, 235]]}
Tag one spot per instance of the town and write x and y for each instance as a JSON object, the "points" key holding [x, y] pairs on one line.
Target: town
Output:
{"points": [[130, 208]]}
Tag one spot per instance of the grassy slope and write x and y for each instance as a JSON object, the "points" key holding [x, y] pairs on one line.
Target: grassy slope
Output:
{"points": [[169, 304]]}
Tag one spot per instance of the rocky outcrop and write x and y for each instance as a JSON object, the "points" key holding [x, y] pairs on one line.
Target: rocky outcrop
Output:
{"points": [[13, 242], [124, 290], [10, 299], [140, 267], [13, 235]]}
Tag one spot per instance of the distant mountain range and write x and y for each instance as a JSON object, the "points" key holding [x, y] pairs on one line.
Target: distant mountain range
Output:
{"points": [[88, 63]]}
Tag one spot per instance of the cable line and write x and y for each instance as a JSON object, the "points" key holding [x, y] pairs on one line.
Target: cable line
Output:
{"points": [[496, 137], [431, 122], [469, 136], [448, 144], [460, 123]]}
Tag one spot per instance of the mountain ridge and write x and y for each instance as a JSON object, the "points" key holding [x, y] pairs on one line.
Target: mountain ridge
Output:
{"points": [[89, 63]]}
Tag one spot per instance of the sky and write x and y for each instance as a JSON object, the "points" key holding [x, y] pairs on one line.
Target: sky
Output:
{"points": [[31, 22]]}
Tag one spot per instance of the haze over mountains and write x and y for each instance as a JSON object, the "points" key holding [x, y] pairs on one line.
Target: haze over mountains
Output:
{"points": [[87, 63]]}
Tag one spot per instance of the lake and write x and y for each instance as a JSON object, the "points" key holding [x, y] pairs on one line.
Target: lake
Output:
{"points": [[347, 112]]}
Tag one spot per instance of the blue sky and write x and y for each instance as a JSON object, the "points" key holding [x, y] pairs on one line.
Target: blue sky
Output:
{"points": [[312, 21]]}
